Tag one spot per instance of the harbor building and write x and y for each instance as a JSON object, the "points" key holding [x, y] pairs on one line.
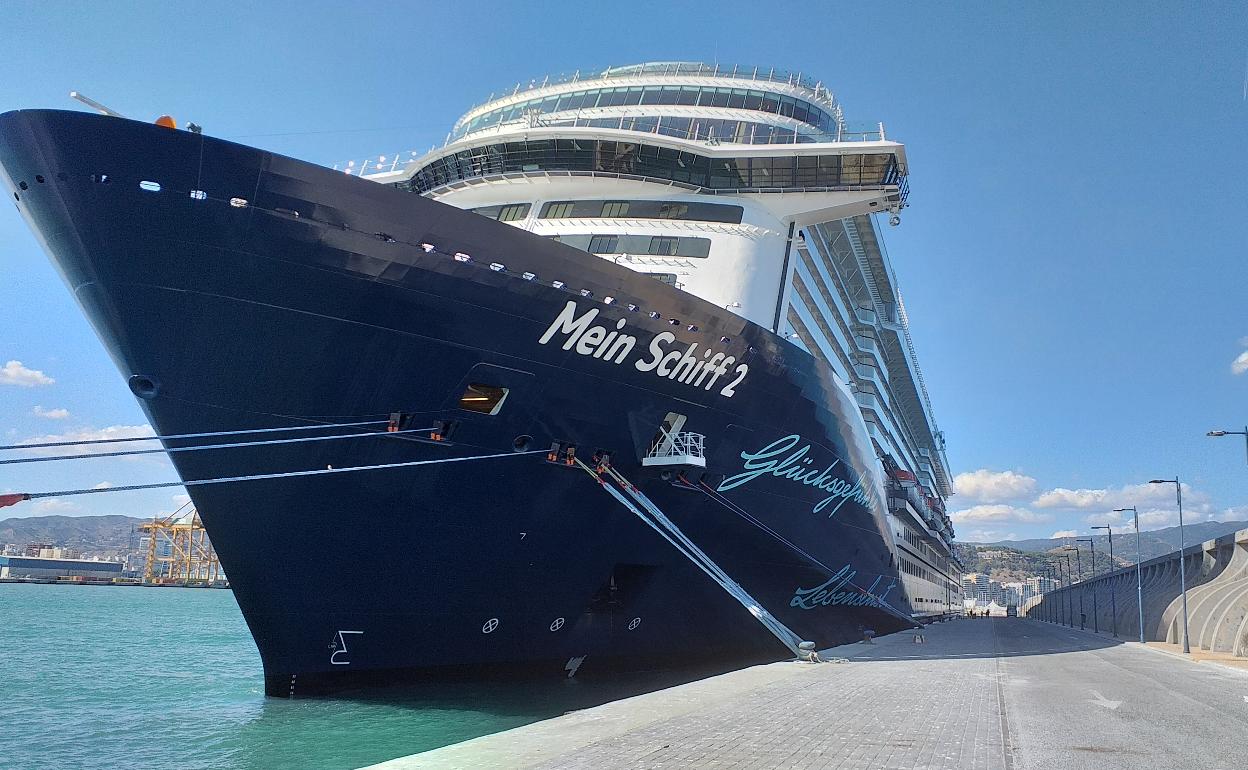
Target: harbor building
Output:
{"points": [[17, 567]]}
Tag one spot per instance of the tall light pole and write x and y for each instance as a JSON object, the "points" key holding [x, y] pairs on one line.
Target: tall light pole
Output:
{"points": [[1244, 433], [1078, 574], [1113, 595], [1069, 608], [1139, 580], [1096, 605], [1178, 491]]}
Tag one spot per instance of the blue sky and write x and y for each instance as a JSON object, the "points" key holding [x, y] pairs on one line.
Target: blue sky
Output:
{"points": [[1073, 260]]}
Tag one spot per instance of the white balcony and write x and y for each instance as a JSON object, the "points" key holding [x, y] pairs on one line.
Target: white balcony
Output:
{"points": [[678, 449]]}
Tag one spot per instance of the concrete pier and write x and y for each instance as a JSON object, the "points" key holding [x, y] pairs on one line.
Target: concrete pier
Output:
{"points": [[978, 693], [1217, 597]]}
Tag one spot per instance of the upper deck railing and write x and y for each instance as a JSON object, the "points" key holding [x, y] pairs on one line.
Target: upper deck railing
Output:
{"points": [[698, 131], [672, 69]]}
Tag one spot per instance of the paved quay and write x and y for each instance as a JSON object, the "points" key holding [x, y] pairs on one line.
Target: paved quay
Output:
{"points": [[979, 693]]}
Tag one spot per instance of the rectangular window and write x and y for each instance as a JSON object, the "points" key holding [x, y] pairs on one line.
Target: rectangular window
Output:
{"points": [[673, 210], [613, 209], [513, 212], [604, 244], [559, 210], [663, 245], [694, 247]]}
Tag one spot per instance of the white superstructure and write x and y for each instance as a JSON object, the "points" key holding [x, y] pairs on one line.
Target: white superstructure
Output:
{"points": [[745, 187]]}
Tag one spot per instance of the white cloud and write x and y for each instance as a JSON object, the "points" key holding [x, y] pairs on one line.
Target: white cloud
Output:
{"points": [[103, 485], [1119, 497], [1063, 533], [53, 505], [998, 513], [181, 500], [14, 373], [51, 414], [91, 434], [988, 486], [1240, 364], [987, 536]]}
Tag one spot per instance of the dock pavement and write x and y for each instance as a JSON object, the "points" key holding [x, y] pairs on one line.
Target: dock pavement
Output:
{"points": [[986, 693]]}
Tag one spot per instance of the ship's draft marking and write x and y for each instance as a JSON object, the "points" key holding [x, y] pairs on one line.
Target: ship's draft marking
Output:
{"points": [[489, 626], [632, 624], [557, 624]]}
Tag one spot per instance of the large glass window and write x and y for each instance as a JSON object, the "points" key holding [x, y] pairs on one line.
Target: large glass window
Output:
{"points": [[557, 210], [604, 244], [643, 209], [662, 245], [648, 245], [650, 162], [509, 212]]}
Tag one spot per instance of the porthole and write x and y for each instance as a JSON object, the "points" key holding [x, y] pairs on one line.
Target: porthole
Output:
{"points": [[39, 178], [149, 186], [23, 185]]}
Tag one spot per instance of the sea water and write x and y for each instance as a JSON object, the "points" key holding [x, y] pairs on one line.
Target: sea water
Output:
{"points": [[165, 678]]}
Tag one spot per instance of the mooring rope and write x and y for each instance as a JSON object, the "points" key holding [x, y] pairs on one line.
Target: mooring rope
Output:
{"points": [[256, 477], [666, 528], [202, 447], [84, 442]]}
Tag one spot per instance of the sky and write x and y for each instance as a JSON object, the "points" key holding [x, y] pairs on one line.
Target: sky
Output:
{"points": [[1073, 261]]}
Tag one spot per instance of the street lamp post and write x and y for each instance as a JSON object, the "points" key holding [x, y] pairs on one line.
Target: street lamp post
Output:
{"points": [[1079, 575], [1069, 607], [1113, 595], [1048, 575], [1061, 597], [1139, 580], [1178, 491], [1244, 433], [1096, 606]]}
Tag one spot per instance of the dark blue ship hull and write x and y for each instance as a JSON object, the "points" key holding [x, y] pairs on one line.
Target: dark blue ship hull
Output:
{"points": [[253, 291]]}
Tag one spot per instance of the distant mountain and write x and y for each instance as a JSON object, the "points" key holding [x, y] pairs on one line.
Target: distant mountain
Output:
{"points": [[1156, 543], [1011, 560], [84, 533]]}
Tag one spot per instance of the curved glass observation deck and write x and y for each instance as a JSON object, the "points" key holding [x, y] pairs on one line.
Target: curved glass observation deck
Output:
{"points": [[628, 159]]}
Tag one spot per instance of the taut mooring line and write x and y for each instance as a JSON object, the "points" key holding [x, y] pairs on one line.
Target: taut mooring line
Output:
{"points": [[20, 496], [202, 447], [325, 426]]}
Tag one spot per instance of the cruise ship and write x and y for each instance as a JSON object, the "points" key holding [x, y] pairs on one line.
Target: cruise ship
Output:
{"points": [[617, 379]]}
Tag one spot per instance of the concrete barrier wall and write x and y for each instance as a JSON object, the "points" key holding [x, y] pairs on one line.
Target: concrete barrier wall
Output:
{"points": [[1217, 598]]}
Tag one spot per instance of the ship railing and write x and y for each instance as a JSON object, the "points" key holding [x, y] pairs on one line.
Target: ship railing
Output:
{"points": [[671, 69], [699, 131], [678, 449]]}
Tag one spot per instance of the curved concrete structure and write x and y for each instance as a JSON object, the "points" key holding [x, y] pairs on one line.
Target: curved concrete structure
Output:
{"points": [[1217, 598]]}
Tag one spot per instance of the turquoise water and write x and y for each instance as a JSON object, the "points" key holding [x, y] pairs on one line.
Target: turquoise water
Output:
{"points": [[164, 678]]}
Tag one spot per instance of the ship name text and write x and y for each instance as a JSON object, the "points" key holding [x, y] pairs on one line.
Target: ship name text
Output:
{"points": [[615, 346], [831, 592], [796, 466]]}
